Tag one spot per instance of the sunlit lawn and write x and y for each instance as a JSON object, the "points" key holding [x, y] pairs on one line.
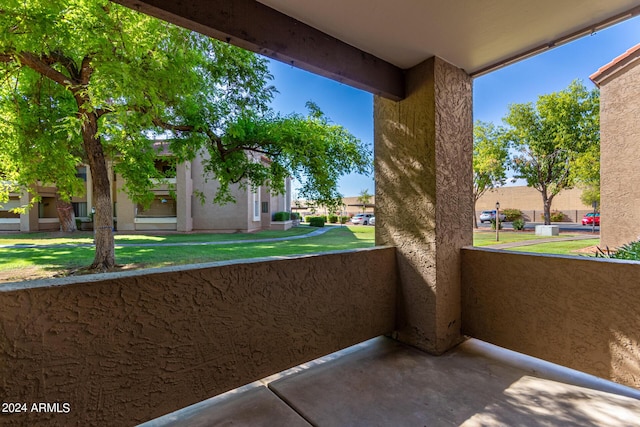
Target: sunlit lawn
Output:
{"points": [[484, 238], [86, 237], [560, 248], [28, 263]]}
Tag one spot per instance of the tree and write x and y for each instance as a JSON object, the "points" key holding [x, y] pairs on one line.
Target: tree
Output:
{"points": [[364, 198], [551, 137], [586, 172], [490, 158], [89, 81]]}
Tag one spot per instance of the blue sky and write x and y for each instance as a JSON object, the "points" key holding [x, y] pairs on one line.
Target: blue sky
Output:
{"points": [[521, 82]]}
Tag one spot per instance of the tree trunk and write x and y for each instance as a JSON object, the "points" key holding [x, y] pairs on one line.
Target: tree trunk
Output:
{"points": [[547, 208], [103, 218], [66, 216]]}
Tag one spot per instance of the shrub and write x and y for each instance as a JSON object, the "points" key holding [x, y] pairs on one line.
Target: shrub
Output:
{"points": [[333, 219], [316, 221], [344, 219], [512, 214], [518, 224], [629, 251], [493, 224], [281, 216], [295, 216], [556, 216]]}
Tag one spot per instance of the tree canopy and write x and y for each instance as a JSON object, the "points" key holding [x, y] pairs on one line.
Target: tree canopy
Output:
{"points": [[553, 138], [490, 159], [89, 81]]}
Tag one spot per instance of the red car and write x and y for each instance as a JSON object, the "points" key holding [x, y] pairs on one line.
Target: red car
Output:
{"points": [[589, 219]]}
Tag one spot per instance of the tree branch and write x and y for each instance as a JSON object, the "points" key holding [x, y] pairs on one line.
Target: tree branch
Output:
{"points": [[38, 65], [168, 126], [86, 70], [66, 62]]}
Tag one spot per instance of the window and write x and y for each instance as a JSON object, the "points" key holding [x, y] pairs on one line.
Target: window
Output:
{"points": [[167, 167], [160, 207], [12, 203], [265, 207], [81, 172], [80, 209]]}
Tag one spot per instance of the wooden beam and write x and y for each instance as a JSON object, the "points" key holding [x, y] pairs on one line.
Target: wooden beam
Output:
{"points": [[261, 29]]}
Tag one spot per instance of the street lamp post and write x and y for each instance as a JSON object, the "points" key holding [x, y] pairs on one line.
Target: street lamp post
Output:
{"points": [[497, 221]]}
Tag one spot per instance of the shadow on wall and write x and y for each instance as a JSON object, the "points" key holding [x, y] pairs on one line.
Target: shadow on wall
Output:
{"points": [[424, 203]]}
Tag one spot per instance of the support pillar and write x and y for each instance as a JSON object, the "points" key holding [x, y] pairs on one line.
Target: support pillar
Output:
{"points": [[424, 203], [184, 197], [29, 219]]}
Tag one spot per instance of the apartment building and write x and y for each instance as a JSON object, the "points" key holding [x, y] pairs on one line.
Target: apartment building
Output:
{"points": [[175, 206]]}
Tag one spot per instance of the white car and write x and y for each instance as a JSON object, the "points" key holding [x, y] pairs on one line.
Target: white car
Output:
{"points": [[372, 220], [487, 216], [362, 218]]}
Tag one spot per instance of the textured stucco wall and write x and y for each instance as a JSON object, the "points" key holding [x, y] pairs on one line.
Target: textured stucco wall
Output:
{"points": [[620, 157], [125, 348], [423, 149], [580, 313]]}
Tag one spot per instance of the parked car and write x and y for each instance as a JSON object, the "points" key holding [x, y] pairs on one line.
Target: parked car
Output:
{"points": [[589, 219], [372, 220], [487, 216], [362, 218]]}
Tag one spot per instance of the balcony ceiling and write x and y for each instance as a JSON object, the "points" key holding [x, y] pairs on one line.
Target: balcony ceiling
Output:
{"points": [[368, 43], [473, 35]]}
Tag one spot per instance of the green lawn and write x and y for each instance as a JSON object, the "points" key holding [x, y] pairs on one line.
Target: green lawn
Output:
{"points": [[484, 238], [28, 263], [86, 237], [560, 248]]}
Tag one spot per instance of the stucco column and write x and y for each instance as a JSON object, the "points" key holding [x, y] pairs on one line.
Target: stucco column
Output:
{"points": [[423, 168], [184, 196], [29, 219]]}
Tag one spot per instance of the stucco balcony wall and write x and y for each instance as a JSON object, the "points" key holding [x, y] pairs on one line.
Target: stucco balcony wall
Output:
{"points": [[124, 348], [580, 313]]}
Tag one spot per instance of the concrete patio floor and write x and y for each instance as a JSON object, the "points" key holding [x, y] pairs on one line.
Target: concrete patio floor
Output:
{"points": [[384, 383]]}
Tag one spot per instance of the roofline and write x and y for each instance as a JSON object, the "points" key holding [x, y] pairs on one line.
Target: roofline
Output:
{"points": [[631, 56]]}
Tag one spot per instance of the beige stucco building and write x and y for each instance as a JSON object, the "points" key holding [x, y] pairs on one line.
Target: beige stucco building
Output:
{"points": [[619, 83], [174, 208]]}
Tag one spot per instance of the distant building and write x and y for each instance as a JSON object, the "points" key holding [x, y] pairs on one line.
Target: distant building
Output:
{"points": [[529, 201], [619, 83], [252, 211]]}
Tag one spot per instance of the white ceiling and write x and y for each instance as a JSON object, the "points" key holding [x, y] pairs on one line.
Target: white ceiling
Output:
{"points": [[471, 34]]}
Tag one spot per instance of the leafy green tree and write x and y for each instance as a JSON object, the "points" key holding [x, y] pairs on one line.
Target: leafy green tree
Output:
{"points": [[551, 137], [490, 160], [364, 198], [89, 81], [586, 172]]}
